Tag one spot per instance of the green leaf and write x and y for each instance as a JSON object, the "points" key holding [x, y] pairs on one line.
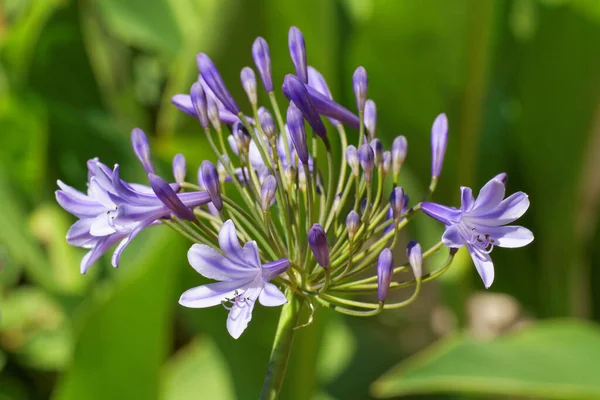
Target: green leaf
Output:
{"points": [[551, 360], [126, 333], [198, 369]]}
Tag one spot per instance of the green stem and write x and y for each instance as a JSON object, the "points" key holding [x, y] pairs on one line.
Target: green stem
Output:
{"points": [[282, 347]]}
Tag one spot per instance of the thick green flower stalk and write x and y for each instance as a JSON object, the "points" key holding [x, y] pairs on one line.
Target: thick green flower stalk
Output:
{"points": [[279, 219]]}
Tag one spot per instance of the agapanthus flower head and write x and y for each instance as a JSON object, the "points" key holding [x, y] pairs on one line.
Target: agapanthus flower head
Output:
{"points": [[248, 79], [360, 83], [439, 141], [262, 60], [298, 53], [179, 169], [213, 79], [385, 265], [370, 117], [479, 224], [243, 279]]}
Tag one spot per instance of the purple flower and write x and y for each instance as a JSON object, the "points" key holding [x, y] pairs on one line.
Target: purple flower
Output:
{"points": [[184, 103], [399, 149], [243, 279], [360, 82], [367, 161], [352, 223], [295, 124], [198, 99], [267, 192], [114, 211], [316, 81], [213, 79], [439, 141], [211, 183], [296, 92], [317, 240], [479, 224], [415, 257], [385, 267], [248, 79], [329, 108], [370, 117], [262, 59], [298, 53], [179, 169]]}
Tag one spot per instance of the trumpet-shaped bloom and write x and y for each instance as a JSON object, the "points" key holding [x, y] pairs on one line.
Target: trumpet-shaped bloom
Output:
{"points": [[243, 279], [480, 224]]}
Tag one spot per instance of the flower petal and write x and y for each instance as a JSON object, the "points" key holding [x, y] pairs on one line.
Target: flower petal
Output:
{"points": [[509, 210], [466, 199], [116, 257], [102, 225], [79, 233], [251, 256], [271, 296], [275, 268], [238, 318], [211, 294], [490, 196], [210, 263], [452, 237], [445, 214], [80, 206], [483, 264], [229, 243], [101, 247], [510, 236]]}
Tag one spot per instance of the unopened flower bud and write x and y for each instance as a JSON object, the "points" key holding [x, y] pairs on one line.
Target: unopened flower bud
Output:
{"points": [[352, 223], [385, 268], [439, 140], [397, 201], [399, 149], [267, 192], [241, 136], [360, 83], [213, 79], [317, 240], [377, 151], [295, 124], [298, 53], [213, 112], [199, 102], [167, 195], [248, 79], [209, 180], [262, 172], [367, 161], [370, 117], [262, 59], [387, 162], [141, 148], [267, 124], [296, 92], [353, 160], [179, 170], [415, 258]]}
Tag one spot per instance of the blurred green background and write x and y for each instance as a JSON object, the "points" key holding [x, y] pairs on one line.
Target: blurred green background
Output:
{"points": [[520, 83]]}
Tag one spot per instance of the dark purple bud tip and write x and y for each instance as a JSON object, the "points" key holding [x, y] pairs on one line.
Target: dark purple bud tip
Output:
{"points": [[199, 102], [262, 59], [353, 160], [248, 79], [298, 94], [210, 182], [267, 124], [377, 147], [387, 162], [439, 140], [385, 268], [352, 223], [415, 258], [179, 169], [241, 136], [267, 192], [213, 79], [397, 201], [360, 82], [502, 177], [295, 124], [370, 117], [317, 240], [167, 195], [399, 149], [298, 53], [141, 148], [367, 161]]}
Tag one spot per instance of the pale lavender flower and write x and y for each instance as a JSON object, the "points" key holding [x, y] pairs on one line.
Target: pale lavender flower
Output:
{"points": [[370, 117], [479, 224], [298, 53], [248, 79], [266, 123], [198, 99], [399, 150], [353, 159], [262, 58], [243, 279], [352, 223], [439, 141], [385, 267], [179, 170], [267, 192], [360, 82], [415, 257]]}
